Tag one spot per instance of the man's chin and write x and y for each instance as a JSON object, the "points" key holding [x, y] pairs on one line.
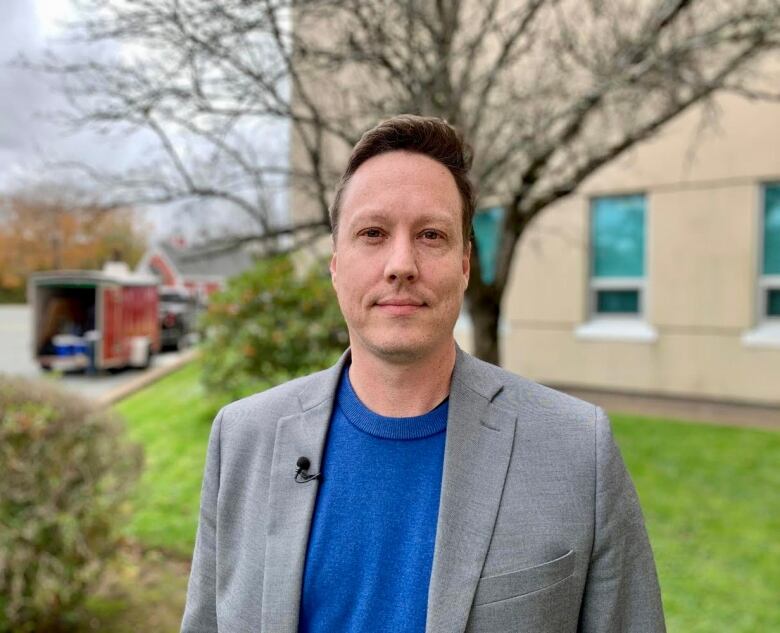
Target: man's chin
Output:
{"points": [[398, 352], [401, 351]]}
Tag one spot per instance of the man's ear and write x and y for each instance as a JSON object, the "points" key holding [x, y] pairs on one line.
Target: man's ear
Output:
{"points": [[467, 263], [332, 267]]}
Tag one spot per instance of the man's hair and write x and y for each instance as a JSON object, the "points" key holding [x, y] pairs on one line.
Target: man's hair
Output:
{"points": [[429, 136]]}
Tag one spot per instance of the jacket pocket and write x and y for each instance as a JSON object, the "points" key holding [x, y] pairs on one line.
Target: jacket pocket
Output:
{"points": [[523, 581]]}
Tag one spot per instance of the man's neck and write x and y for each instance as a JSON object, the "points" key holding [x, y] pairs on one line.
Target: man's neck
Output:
{"points": [[402, 390]]}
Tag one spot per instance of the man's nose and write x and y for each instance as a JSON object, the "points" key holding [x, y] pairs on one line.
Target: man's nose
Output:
{"points": [[402, 261]]}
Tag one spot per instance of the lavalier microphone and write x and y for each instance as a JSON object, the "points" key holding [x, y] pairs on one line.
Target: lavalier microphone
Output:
{"points": [[301, 474]]}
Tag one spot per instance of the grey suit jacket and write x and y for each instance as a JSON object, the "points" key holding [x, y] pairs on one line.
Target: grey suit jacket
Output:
{"points": [[539, 527]]}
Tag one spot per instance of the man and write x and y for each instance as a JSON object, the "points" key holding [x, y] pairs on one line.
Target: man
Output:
{"points": [[436, 492]]}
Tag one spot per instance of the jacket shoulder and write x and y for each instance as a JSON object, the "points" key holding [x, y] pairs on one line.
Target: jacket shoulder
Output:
{"points": [[529, 399], [274, 403]]}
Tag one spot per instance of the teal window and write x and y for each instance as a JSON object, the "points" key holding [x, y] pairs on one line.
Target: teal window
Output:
{"points": [[769, 284], [617, 301], [617, 237], [487, 225], [773, 303]]}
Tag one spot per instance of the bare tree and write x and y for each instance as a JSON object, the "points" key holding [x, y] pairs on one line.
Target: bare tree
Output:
{"points": [[547, 92]]}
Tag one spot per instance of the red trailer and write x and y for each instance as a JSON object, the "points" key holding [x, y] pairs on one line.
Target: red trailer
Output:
{"points": [[85, 319]]}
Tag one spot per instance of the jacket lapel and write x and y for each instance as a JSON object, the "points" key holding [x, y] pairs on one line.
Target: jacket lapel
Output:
{"points": [[290, 504], [476, 457]]}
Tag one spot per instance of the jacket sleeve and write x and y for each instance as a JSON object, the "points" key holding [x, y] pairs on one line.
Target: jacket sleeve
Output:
{"points": [[621, 590], [200, 611]]}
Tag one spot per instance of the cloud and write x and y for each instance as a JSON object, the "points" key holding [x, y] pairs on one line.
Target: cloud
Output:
{"points": [[26, 134], [19, 33], [29, 137]]}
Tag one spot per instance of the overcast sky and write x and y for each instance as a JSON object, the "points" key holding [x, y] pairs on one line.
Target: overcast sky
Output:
{"points": [[29, 27], [21, 31]]}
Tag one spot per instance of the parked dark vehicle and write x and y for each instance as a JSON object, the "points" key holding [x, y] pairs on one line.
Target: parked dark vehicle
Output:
{"points": [[178, 310]]}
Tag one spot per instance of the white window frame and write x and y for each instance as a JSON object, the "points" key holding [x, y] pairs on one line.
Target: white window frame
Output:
{"points": [[766, 332], [629, 327]]}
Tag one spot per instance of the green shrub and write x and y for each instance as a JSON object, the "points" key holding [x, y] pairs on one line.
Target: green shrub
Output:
{"points": [[270, 324], [13, 295], [66, 474]]}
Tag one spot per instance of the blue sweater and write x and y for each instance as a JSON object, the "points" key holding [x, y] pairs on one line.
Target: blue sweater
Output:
{"points": [[368, 562]]}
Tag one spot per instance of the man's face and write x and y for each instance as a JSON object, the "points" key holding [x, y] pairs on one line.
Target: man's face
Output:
{"points": [[399, 264]]}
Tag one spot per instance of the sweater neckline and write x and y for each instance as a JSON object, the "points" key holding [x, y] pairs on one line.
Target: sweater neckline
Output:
{"points": [[405, 428]]}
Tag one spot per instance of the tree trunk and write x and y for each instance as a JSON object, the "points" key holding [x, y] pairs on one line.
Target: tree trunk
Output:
{"points": [[484, 317]]}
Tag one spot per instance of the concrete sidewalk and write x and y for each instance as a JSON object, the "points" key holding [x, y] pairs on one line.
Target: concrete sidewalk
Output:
{"points": [[721, 413]]}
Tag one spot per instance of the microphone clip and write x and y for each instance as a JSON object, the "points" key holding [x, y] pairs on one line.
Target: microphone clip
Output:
{"points": [[301, 474]]}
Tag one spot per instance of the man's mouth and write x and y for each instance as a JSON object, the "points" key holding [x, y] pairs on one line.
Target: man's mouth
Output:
{"points": [[399, 306]]}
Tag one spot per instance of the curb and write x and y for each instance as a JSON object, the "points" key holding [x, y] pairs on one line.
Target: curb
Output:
{"points": [[713, 412], [145, 379]]}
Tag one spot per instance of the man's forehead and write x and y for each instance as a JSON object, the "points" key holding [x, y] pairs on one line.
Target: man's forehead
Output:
{"points": [[404, 166], [374, 213], [392, 176]]}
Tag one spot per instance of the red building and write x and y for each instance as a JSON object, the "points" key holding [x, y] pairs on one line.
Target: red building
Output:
{"points": [[174, 264]]}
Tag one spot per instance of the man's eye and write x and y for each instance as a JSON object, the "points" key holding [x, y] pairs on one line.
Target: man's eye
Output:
{"points": [[372, 233], [431, 235]]}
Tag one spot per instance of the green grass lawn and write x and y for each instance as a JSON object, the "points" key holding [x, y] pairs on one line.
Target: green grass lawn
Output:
{"points": [[710, 497], [171, 419], [711, 503]]}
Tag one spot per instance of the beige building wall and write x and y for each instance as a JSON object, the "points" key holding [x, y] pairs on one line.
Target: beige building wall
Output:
{"points": [[701, 333], [702, 178]]}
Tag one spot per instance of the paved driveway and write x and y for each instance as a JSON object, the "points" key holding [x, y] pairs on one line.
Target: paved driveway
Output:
{"points": [[16, 357]]}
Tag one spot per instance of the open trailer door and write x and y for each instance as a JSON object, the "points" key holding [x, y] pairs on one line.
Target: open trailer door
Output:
{"points": [[63, 312], [112, 351]]}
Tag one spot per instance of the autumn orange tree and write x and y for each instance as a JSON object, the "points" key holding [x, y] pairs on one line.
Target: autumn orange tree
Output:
{"points": [[39, 232]]}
